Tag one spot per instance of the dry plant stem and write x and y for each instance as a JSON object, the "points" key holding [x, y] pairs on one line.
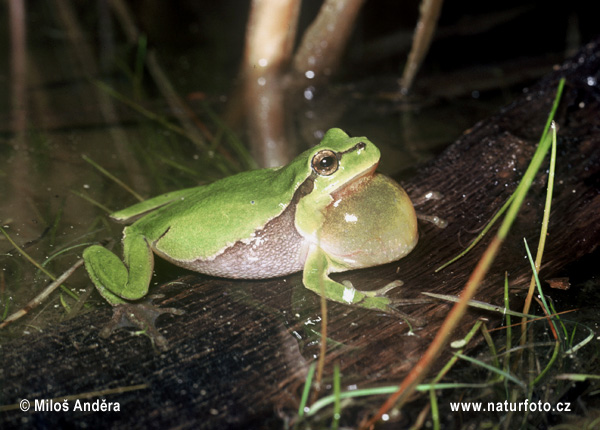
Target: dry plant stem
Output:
{"points": [[543, 234], [36, 301], [419, 371], [325, 40], [323, 348], [430, 12], [270, 36]]}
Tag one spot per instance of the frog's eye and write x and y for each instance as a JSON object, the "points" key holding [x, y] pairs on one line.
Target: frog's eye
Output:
{"points": [[325, 162]]}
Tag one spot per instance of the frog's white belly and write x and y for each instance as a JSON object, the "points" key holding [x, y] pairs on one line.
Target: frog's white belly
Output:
{"points": [[275, 250]]}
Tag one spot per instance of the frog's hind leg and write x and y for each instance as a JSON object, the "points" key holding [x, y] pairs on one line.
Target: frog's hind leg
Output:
{"points": [[117, 280]]}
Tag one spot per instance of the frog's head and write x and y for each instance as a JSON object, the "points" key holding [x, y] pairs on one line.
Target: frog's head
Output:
{"points": [[336, 167], [339, 161]]}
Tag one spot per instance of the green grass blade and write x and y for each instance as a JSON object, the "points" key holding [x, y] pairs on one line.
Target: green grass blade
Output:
{"points": [[113, 177], [306, 391], [493, 369]]}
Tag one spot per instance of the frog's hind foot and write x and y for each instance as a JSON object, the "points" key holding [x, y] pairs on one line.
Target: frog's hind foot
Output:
{"points": [[142, 315]]}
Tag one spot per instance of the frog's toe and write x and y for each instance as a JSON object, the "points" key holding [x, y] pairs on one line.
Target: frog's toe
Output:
{"points": [[386, 288], [378, 303], [141, 315]]}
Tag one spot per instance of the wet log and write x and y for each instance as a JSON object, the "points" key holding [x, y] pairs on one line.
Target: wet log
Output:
{"points": [[239, 354]]}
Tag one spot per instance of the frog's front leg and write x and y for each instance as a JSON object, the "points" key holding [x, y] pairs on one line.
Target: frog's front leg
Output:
{"points": [[119, 281], [315, 278]]}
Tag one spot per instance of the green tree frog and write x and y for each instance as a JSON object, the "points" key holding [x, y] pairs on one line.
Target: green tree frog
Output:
{"points": [[326, 211]]}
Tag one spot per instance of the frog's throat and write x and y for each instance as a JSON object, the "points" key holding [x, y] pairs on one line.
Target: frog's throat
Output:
{"points": [[356, 182]]}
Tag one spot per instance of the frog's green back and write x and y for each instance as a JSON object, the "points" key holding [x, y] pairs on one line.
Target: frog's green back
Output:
{"points": [[217, 215]]}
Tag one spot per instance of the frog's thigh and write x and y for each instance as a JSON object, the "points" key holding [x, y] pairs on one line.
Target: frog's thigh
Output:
{"points": [[140, 261], [130, 280]]}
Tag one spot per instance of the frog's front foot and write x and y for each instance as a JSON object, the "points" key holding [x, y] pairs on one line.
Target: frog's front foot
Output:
{"points": [[142, 315], [374, 299], [377, 300]]}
